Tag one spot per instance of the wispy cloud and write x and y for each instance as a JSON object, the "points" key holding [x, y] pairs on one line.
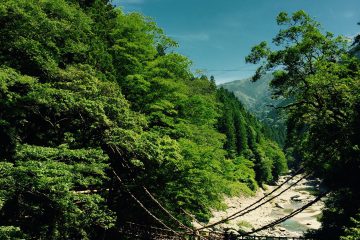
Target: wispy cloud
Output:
{"points": [[191, 37]]}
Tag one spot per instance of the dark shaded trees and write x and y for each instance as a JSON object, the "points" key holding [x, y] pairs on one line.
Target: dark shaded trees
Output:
{"points": [[314, 71], [246, 136]]}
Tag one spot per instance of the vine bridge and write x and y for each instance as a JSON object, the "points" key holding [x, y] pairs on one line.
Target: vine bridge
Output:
{"points": [[141, 232]]}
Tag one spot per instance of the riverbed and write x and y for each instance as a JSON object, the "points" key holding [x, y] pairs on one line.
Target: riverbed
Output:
{"points": [[279, 207]]}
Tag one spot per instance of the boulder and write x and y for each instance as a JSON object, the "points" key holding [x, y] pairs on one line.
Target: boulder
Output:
{"points": [[278, 205], [298, 198], [295, 196]]}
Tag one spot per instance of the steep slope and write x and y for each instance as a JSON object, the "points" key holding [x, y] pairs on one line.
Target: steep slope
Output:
{"points": [[94, 111], [256, 97]]}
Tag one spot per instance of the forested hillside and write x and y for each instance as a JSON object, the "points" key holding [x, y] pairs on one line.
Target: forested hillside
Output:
{"points": [[97, 109], [256, 97]]}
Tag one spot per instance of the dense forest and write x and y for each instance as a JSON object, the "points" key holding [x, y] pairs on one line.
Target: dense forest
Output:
{"points": [[256, 97], [97, 109]]}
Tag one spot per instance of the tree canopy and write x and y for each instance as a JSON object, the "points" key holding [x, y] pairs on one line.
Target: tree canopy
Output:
{"points": [[90, 96], [315, 72]]}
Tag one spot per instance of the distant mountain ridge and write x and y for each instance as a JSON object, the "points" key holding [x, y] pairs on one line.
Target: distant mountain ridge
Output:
{"points": [[256, 97]]}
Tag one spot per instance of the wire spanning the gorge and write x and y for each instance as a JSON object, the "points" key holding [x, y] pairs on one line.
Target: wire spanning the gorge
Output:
{"points": [[250, 209], [181, 225], [275, 196], [280, 220], [142, 206]]}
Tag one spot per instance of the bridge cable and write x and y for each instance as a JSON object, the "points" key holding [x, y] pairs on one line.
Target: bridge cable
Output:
{"points": [[275, 196], [142, 206], [280, 220], [164, 209], [234, 215], [181, 225]]}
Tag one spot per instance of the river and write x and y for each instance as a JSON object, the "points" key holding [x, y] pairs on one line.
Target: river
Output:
{"points": [[277, 208]]}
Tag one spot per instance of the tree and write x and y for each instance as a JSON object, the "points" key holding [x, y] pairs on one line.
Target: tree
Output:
{"points": [[353, 232], [313, 70], [355, 46], [95, 109]]}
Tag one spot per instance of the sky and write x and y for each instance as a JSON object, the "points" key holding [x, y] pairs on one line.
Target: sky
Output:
{"points": [[217, 35]]}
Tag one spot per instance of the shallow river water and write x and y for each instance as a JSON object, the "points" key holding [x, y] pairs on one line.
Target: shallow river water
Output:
{"points": [[279, 207]]}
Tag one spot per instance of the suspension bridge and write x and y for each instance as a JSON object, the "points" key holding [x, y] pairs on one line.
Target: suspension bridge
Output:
{"points": [[143, 232]]}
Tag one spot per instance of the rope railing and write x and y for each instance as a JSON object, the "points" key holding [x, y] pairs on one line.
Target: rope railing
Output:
{"points": [[142, 205], [165, 210], [280, 220], [167, 234], [250, 209], [181, 225], [270, 199], [197, 232], [138, 231]]}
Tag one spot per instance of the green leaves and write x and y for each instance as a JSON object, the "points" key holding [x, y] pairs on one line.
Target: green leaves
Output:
{"points": [[314, 72], [56, 184], [11, 233], [87, 90], [353, 232]]}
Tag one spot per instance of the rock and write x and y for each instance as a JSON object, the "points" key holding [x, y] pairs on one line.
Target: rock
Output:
{"points": [[279, 205], [298, 198], [295, 196], [233, 231]]}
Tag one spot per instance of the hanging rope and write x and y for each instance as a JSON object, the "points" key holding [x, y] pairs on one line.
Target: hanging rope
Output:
{"points": [[142, 206], [275, 196], [249, 209], [242, 212], [125, 165], [280, 220], [191, 216], [165, 210]]}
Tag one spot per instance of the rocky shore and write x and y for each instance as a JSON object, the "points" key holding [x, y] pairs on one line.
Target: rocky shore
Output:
{"points": [[277, 208]]}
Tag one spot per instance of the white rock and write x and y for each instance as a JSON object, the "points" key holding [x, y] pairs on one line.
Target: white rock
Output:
{"points": [[279, 205]]}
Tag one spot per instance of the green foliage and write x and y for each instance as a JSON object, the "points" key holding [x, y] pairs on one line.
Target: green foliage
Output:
{"points": [[353, 232], [321, 81], [11, 233], [256, 97], [246, 137], [87, 90]]}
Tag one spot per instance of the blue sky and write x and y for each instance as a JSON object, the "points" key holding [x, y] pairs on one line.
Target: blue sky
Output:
{"points": [[217, 35]]}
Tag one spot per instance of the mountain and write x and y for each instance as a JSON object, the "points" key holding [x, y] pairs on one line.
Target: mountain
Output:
{"points": [[256, 97]]}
